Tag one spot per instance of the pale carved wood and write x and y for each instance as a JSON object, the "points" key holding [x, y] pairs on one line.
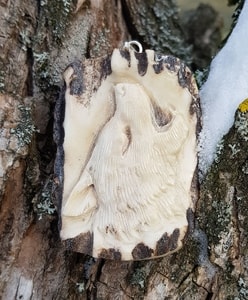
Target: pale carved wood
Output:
{"points": [[38, 41]]}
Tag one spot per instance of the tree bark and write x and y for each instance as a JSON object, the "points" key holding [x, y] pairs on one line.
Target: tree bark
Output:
{"points": [[38, 40]]}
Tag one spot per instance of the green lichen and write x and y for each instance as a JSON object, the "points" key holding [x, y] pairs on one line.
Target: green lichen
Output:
{"points": [[25, 129]]}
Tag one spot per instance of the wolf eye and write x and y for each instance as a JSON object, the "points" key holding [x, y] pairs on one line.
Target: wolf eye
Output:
{"points": [[162, 117]]}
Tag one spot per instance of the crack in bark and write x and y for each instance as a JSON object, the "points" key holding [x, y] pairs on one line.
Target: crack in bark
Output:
{"points": [[29, 78], [209, 294], [91, 288], [186, 277], [236, 221]]}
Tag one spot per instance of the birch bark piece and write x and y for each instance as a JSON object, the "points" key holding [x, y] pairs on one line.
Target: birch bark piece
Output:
{"points": [[126, 134]]}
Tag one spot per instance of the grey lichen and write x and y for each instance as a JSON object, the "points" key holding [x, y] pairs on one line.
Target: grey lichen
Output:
{"points": [[25, 39], [222, 208], [221, 215], [234, 149], [219, 150], [245, 168], [58, 15], [80, 287], [41, 58], [99, 42], [157, 26], [42, 69], [241, 124], [201, 76], [25, 129], [243, 289], [43, 205], [238, 9], [2, 75], [1, 81], [218, 216], [88, 265], [139, 277]]}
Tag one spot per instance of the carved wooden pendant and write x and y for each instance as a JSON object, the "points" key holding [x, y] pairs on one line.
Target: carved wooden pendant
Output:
{"points": [[126, 131]]}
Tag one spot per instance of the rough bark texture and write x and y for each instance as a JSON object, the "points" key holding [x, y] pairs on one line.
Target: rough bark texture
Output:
{"points": [[37, 41]]}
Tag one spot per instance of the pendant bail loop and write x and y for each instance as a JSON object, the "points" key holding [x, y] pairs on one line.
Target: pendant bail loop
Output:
{"points": [[130, 46]]}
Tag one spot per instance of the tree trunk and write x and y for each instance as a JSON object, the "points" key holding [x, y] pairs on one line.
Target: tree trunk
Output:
{"points": [[38, 40]]}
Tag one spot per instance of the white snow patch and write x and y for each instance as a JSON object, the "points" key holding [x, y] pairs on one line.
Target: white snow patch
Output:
{"points": [[225, 88]]}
